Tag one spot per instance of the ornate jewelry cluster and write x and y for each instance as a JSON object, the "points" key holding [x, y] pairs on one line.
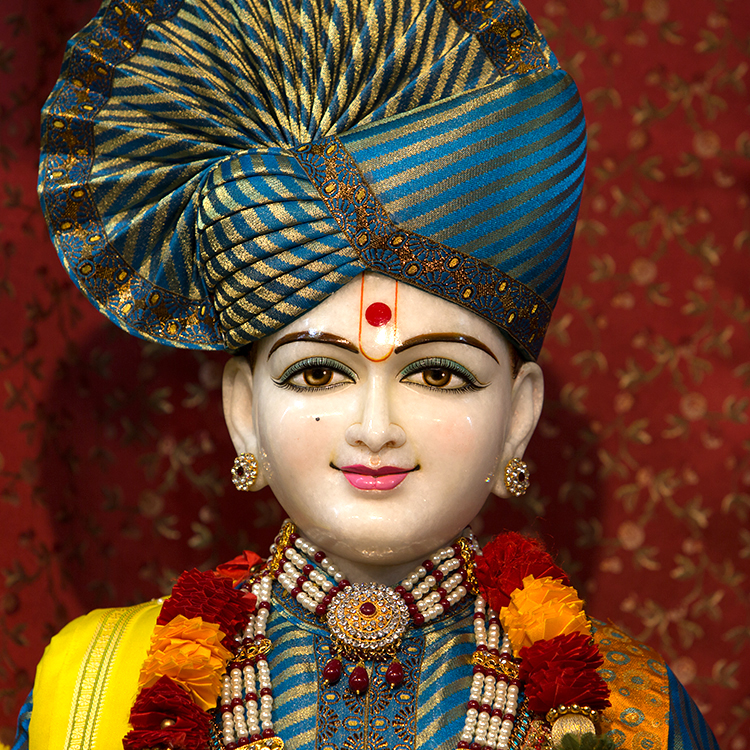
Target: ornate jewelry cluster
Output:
{"points": [[367, 622], [244, 471], [517, 477]]}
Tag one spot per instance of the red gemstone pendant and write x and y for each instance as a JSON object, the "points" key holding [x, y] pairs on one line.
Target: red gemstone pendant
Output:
{"points": [[394, 675], [332, 671], [359, 681]]}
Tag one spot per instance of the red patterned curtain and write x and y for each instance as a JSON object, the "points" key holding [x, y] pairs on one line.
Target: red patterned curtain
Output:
{"points": [[114, 460]]}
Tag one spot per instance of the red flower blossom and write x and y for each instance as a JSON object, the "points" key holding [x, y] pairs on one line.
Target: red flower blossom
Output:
{"points": [[211, 598], [164, 716], [562, 670], [239, 568], [506, 561]]}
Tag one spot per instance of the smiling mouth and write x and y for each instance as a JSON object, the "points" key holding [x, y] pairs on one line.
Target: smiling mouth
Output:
{"points": [[366, 478]]}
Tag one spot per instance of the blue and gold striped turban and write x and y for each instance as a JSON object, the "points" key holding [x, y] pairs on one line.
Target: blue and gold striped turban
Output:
{"points": [[213, 169]]}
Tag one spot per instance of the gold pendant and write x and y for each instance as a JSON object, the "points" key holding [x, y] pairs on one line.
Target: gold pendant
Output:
{"points": [[368, 620]]}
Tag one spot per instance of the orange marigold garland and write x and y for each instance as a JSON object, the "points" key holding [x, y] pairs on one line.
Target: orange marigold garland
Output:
{"points": [[192, 643], [541, 609], [545, 622], [190, 652]]}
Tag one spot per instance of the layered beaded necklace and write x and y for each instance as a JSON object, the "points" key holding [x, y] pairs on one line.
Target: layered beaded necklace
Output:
{"points": [[367, 622]]}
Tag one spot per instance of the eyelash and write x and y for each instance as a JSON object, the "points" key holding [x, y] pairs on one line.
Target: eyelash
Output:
{"points": [[305, 364], [472, 384]]}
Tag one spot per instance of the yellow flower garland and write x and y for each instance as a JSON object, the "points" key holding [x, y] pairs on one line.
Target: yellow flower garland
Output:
{"points": [[542, 609], [190, 652]]}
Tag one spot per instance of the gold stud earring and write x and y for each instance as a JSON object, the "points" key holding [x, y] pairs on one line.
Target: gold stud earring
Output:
{"points": [[517, 477], [245, 471]]}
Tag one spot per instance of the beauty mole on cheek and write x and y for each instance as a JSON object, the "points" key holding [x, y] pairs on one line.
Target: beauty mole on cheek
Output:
{"points": [[317, 419]]}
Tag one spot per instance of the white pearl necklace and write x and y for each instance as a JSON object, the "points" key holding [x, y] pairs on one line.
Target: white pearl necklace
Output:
{"points": [[421, 583], [246, 708], [314, 581], [493, 701]]}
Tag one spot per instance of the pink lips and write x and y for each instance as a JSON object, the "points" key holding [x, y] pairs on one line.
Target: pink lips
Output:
{"points": [[382, 478]]}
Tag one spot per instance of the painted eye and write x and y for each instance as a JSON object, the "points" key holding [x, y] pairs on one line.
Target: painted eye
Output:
{"points": [[437, 378], [441, 374], [316, 377], [315, 373]]}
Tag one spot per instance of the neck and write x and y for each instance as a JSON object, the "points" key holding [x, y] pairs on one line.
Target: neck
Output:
{"points": [[389, 575], [362, 571]]}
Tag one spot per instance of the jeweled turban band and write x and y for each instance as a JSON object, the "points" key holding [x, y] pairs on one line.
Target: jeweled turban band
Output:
{"points": [[212, 170]]}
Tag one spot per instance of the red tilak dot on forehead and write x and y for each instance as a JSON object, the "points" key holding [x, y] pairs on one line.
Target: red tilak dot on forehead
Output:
{"points": [[378, 314]]}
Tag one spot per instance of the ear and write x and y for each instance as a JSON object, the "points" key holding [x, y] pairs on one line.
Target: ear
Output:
{"points": [[527, 398], [237, 399]]}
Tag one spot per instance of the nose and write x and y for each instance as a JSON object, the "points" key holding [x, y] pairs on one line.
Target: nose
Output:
{"points": [[375, 430]]}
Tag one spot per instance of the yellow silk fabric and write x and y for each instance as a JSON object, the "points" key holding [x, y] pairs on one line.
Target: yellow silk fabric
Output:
{"points": [[639, 691], [87, 679]]}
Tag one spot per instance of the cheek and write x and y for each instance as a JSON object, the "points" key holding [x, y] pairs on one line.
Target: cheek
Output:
{"points": [[287, 435], [472, 438], [296, 435]]}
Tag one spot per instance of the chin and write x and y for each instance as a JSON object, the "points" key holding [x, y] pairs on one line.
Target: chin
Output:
{"points": [[378, 545]]}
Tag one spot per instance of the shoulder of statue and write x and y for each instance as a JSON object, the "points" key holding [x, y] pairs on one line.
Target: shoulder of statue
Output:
{"points": [[611, 639], [114, 629], [639, 690], [88, 675]]}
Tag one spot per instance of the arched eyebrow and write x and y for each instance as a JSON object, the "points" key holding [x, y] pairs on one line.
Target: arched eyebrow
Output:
{"points": [[456, 338], [317, 336]]}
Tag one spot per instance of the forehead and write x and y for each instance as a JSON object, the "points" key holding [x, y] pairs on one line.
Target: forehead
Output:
{"points": [[378, 314]]}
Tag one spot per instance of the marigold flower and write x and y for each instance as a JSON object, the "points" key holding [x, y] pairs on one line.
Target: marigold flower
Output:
{"points": [[190, 652], [542, 609]]}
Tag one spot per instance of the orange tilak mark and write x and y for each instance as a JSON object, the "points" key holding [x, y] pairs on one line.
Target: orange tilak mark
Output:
{"points": [[362, 315]]}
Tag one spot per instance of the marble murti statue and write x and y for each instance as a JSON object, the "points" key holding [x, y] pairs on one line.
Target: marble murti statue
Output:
{"points": [[370, 204]]}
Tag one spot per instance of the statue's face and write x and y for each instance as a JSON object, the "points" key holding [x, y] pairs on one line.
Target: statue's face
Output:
{"points": [[382, 419]]}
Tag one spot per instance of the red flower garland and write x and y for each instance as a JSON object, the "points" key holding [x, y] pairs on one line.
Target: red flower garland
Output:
{"points": [[164, 716], [506, 560], [562, 671], [211, 598]]}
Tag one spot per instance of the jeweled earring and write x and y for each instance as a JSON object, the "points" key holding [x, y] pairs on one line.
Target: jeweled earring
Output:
{"points": [[245, 471], [517, 477]]}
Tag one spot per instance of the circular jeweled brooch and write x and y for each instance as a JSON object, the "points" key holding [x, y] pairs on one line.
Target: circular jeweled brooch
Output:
{"points": [[368, 620]]}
